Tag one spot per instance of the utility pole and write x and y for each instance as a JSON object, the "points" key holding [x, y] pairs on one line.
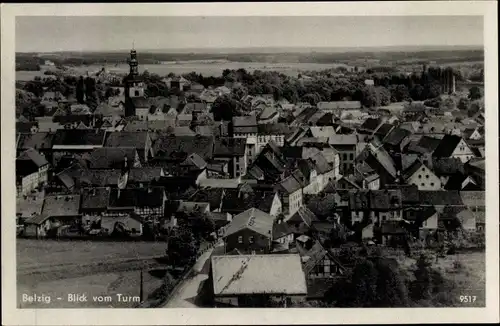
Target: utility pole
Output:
{"points": [[141, 291]]}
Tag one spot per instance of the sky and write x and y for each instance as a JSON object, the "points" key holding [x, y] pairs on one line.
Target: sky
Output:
{"points": [[100, 33]]}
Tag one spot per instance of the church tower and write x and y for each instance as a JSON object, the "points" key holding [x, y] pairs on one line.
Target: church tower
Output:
{"points": [[134, 85]]}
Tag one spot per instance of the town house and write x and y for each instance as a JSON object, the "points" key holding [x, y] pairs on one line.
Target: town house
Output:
{"points": [[60, 216], [271, 132], [31, 171], [346, 146], [420, 175], [246, 127], [233, 149], [257, 280], [68, 142], [148, 203], [250, 232], [453, 146], [141, 141]]}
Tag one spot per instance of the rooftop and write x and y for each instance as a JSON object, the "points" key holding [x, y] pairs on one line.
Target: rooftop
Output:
{"points": [[258, 274], [253, 219]]}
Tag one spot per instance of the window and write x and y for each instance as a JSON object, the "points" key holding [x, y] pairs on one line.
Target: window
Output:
{"points": [[427, 176], [420, 176], [432, 184], [136, 93], [240, 239], [251, 239], [422, 184], [344, 156], [351, 156]]}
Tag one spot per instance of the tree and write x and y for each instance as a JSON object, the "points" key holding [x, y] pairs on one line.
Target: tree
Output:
{"points": [[399, 93], [464, 104], [202, 226], [417, 93], [428, 282], [374, 282], [224, 108], [370, 97], [431, 91], [80, 90], [182, 247], [475, 93]]}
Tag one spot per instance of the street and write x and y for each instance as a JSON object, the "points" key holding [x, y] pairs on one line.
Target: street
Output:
{"points": [[187, 291]]}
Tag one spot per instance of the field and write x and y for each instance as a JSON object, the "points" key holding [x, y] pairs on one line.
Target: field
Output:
{"points": [[467, 270], [56, 268], [205, 68]]}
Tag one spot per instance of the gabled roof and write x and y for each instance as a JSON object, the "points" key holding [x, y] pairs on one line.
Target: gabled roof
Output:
{"points": [[290, 185], [253, 219], [314, 255], [33, 156], [195, 160], [473, 198], [140, 102], [79, 137], [319, 132], [212, 196], [320, 163], [370, 124], [38, 140], [245, 121], [127, 139], [136, 197], [460, 181], [384, 130], [385, 199], [178, 148], [381, 155], [273, 129], [339, 105], [258, 274], [228, 146], [303, 215], [29, 206], [194, 106], [269, 112], [426, 144], [440, 198], [111, 157], [281, 230], [447, 145], [339, 139], [447, 166], [144, 174], [66, 205], [410, 170], [95, 198], [236, 200]]}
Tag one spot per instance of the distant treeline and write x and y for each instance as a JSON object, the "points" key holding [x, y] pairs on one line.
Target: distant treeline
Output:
{"points": [[446, 56]]}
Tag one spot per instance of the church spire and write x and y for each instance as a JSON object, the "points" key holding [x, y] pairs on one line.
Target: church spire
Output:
{"points": [[133, 63]]}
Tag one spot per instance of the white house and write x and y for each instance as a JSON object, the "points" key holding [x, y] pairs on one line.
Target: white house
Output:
{"points": [[31, 170], [453, 146], [420, 175]]}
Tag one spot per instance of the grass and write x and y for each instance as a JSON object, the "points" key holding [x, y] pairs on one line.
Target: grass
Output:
{"points": [[41, 253], [466, 270], [57, 268]]}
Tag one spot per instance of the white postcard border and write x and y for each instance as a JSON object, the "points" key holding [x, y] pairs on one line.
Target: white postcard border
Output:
{"points": [[13, 316]]}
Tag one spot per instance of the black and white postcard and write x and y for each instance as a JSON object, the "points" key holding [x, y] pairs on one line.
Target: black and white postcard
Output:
{"points": [[299, 158]]}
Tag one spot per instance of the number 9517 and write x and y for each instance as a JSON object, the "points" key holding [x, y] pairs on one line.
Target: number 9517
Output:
{"points": [[467, 298]]}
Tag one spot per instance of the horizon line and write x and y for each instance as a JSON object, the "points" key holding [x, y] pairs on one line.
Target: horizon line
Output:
{"points": [[190, 49]]}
